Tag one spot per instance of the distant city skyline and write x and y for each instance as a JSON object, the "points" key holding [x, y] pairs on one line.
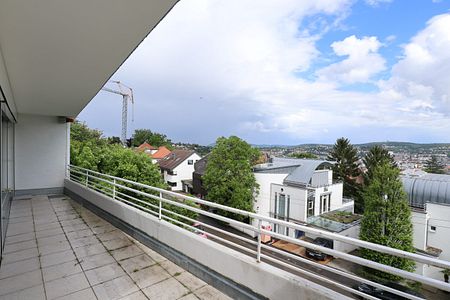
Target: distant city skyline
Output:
{"points": [[290, 72]]}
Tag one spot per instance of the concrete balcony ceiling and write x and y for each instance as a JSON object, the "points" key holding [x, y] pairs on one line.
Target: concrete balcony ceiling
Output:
{"points": [[58, 54]]}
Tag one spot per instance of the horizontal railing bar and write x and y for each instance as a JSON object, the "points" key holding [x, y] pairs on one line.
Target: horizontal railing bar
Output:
{"points": [[318, 277], [362, 261], [340, 272], [332, 252], [214, 236], [334, 236]]}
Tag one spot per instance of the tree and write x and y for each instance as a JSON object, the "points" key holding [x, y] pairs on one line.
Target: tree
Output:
{"points": [[387, 219], [88, 149], [153, 138], [306, 155], [376, 156], [346, 166], [228, 178], [82, 133], [433, 165]]}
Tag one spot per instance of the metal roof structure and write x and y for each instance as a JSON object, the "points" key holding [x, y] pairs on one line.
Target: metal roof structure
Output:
{"points": [[428, 188], [300, 171], [304, 173]]}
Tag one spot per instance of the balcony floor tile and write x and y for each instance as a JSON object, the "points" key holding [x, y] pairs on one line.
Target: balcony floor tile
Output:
{"points": [[56, 249]]}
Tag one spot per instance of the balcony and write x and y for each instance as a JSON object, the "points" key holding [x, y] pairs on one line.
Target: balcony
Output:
{"points": [[106, 239], [57, 249]]}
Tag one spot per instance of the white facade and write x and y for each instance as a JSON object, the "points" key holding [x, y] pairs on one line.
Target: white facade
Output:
{"points": [[277, 199], [432, 229], [181, 172], [41, 152]]}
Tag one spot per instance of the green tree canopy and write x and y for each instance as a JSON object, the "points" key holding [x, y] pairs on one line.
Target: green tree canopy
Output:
{"points": [[346, 167], [304, 155], [229, 179], [88, 149], [433, 165], [376, 156], [153, 138], [387, 219]]}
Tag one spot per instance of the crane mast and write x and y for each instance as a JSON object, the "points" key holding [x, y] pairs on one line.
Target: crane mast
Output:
{"points": [[127, 95]]}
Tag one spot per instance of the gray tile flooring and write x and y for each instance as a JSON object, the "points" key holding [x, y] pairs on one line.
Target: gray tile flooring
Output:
{"points": [[56, 249]]}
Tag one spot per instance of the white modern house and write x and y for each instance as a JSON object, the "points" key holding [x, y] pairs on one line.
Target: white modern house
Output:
{"points": [[429, 197], [298, 191], [177, 167]]}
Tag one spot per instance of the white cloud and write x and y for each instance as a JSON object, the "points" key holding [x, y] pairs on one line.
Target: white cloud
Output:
{"points": [[375, 3], [422, 75], [215, 68], [363, 60]]}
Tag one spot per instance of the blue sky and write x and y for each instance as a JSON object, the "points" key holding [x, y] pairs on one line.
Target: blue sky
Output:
{"points": [[290, 72]]}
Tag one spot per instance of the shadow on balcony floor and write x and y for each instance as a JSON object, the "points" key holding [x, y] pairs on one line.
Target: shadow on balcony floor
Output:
{"points": [[56, 249]]}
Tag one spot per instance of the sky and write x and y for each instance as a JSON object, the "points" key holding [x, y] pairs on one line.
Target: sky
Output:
{"points": [[289, 72]]}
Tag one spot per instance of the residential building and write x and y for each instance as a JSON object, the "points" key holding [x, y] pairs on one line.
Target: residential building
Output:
{"points": [[178, 166], [300, 191], [197, 177], [160, 154], [429, 197], [146, 148], [156, 154]]}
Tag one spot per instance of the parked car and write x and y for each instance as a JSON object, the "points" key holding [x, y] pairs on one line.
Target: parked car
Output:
{"points": [[199, 230], [318, 255], [385, 295]]}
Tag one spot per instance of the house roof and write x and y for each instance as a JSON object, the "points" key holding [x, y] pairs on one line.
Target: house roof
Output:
{"points": [[145, 146], [175, 158], [428, 188], [300, 170], [304, 173], [200, 165], [161, 153]]}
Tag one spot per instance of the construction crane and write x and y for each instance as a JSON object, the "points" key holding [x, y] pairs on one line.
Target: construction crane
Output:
{"points": [[127, 95]]}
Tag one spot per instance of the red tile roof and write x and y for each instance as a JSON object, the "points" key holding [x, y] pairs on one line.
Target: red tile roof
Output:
{"points": [[161, 153], [145, 146]]}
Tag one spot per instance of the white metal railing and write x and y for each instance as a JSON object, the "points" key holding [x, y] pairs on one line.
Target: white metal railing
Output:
{"points": [[139, 194]]}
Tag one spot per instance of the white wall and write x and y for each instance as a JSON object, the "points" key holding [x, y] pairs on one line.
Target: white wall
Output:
{"points": [[261, 204], [335, 190], [322, 177], [184, 172], [419, 221], [350, 232], [41, 149], [437, 215]]}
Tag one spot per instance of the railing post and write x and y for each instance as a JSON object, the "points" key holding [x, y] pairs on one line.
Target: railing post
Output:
{"points": [[87, 177], [258, 250], [114, 188], [160, 206]]}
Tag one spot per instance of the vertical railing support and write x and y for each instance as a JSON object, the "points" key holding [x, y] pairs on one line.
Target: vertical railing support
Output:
{"points": [[258, 250], [87, 177], [160, 206], [114, 188]]}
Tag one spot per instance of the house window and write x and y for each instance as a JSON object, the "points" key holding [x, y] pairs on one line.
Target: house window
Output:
{"points": [[190, 162], [172, 184], [172, 173], [310, 207], [433, 228], [282, 206], [324, 203]]}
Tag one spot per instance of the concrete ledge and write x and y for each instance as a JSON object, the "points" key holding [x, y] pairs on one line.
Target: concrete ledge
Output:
{"points": [[46, 191], [230, 271]]}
